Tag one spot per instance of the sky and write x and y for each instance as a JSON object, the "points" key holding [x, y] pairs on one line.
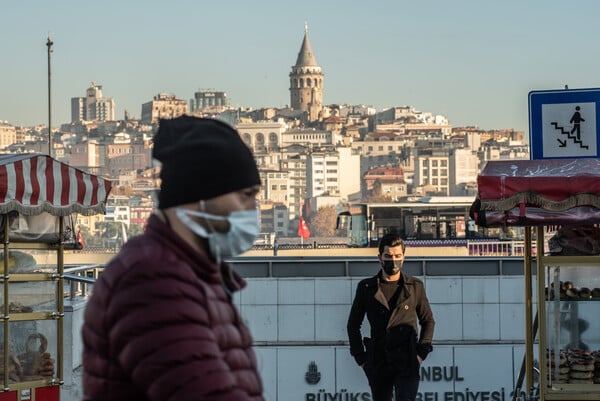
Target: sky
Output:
{"points": [[472, 61]]}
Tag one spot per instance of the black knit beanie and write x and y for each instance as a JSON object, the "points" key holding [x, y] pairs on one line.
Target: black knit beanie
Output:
{"points": [[201, 158]]}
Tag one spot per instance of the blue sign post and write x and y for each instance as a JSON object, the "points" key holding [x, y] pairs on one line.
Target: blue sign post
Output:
{"points": [[564, 123]]}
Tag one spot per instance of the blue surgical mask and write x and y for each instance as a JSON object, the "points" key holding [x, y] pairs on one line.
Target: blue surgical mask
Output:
{"points": [[244, 228]]}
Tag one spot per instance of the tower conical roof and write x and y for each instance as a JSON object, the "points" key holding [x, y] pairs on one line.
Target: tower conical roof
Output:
{"points": [[305, 56]]}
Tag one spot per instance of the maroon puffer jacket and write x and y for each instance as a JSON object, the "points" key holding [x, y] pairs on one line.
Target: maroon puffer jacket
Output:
{"points": [[160, 325]]}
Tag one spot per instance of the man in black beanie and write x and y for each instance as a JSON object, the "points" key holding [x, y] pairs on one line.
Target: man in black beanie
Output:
{"points": [[160, 324]]}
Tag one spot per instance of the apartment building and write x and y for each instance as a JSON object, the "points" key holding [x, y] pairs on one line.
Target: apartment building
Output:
{"points": [[385, 181], [93, 107], [295, 166], [275, 186], [332, 171], [262, 136], [163, 105], [432, 171], [209, 99], [88, 155], [274, 218], [307, 137], [8, 135], [122, 157], [464, 168]]}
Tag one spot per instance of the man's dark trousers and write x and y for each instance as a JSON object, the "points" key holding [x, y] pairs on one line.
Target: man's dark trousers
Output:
{"points": [[405, 389]]}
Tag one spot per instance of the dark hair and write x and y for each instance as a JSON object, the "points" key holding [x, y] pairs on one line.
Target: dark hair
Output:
{"points": [[390, 240]]}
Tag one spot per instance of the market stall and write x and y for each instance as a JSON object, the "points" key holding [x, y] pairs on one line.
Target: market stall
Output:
{"points": [[39, 197], [558, 203]]}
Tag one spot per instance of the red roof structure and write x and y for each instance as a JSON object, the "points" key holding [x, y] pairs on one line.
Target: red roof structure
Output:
{"points": [[538, 192], [34, 183]]}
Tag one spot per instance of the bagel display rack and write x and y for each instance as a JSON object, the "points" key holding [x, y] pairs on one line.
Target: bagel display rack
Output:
{"points": [[39, 197], [558, 204]]}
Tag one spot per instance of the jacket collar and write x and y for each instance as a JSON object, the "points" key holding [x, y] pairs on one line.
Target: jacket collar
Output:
{"points": [[406, 282], [205, 268]]}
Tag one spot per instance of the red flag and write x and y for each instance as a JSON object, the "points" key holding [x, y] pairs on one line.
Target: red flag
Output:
{"points": [[80, 239], [303, 230]]}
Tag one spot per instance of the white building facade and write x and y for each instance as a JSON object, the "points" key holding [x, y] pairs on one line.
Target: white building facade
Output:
{"points": [[334, 172], [94, 107]]}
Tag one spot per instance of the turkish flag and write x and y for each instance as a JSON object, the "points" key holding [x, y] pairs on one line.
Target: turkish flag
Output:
{"points": [[80, 239], [303, 230]]}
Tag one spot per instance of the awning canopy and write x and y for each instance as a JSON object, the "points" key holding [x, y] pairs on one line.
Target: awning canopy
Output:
{"points": [[538, 192], [33, 183]]}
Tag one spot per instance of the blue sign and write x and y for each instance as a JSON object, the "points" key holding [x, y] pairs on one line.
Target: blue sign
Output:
{"points": [[564, 124]]}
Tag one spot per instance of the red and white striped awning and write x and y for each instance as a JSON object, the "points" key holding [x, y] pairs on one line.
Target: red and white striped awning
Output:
{"points": [[33, 183]]}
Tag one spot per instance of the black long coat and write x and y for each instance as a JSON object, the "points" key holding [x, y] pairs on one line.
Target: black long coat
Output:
{"points": [[393, 345]]}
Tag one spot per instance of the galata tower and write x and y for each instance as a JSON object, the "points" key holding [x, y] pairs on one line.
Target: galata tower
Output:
{"points": [[306, 81]]}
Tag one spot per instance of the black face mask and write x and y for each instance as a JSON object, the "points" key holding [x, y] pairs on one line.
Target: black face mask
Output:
{"points": [[391, 267]]}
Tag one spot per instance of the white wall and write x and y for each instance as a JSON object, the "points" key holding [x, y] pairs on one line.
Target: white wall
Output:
{"points": [[295, 321], [478, 341]]}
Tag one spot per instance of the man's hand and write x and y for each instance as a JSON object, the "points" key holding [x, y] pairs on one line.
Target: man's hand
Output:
{"points": [[360, 359]]}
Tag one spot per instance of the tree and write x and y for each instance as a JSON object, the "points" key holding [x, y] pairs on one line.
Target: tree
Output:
{"points": [[322, 222]]}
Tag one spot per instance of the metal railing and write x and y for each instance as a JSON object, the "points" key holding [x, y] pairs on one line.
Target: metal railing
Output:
{"points": [[496, 248], [80, 280]]}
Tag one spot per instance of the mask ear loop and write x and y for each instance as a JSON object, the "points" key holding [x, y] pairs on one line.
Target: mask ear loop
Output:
{"points": [[212, 231], [206, 220], [218, 257]]}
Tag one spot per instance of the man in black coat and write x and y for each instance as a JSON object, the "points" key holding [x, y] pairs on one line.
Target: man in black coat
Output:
{"points": [[395, 304]]}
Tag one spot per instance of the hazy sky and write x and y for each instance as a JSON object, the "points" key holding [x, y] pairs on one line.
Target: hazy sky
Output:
{"points": [[472, 61]]}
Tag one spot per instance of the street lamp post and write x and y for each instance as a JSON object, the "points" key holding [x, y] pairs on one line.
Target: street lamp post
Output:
{"points": [[49, 44]]}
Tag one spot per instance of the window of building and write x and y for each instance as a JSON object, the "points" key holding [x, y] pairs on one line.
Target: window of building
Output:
{"points": [[434, 163]]}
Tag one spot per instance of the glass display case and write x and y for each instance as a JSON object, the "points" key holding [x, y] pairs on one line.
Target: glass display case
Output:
{"points": [[32, 308], [569, 340], [38, 194]]}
